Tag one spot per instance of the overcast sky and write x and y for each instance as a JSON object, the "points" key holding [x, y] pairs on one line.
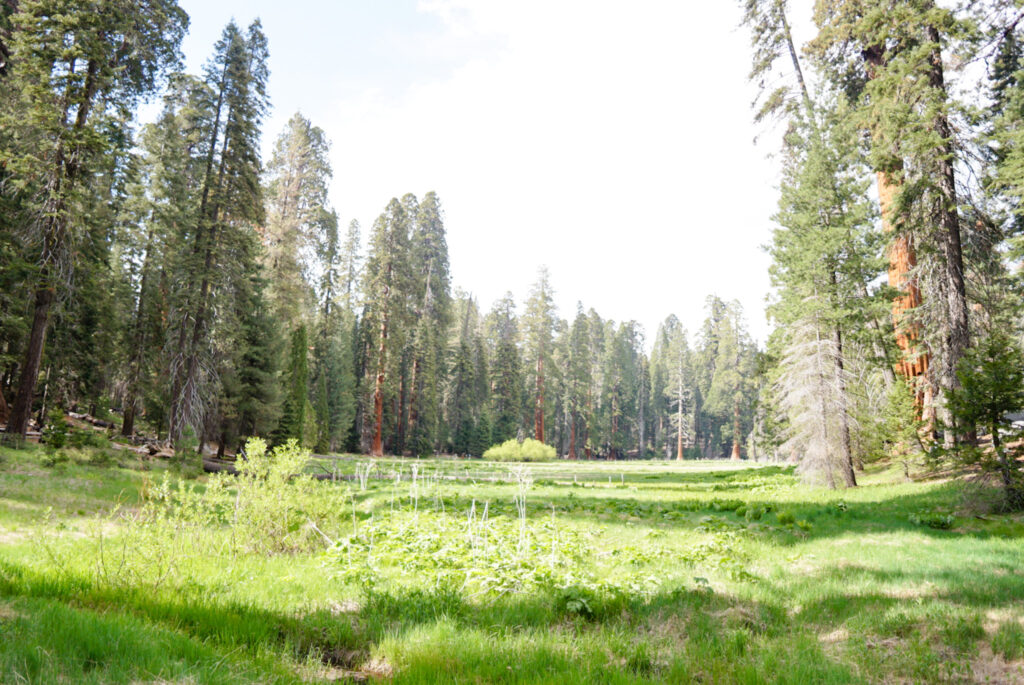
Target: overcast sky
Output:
{"points": [[611, 141]]}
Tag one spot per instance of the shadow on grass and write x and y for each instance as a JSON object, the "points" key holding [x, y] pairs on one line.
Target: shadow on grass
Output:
{"points": [[564, 635]]}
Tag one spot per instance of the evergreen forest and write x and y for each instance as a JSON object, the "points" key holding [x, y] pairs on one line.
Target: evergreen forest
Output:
{"points": [[245, 440]]}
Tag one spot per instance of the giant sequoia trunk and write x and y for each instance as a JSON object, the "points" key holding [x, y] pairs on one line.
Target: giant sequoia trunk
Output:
{"points": [[572, 435], [914, 361], [902, 260], [736, 431]]}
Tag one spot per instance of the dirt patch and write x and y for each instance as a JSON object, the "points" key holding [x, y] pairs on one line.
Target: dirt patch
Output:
{"points": [[374, 669], [837, 635], [8, 613], [989, 667], [742, 617], [345, 606]]}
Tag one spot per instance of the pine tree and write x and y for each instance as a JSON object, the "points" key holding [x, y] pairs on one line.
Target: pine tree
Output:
{"points": [[729, 395], [293, 416], [74, 65], [578, 377], [506, 379], [991, 389], [232, 105], [678, 386]]}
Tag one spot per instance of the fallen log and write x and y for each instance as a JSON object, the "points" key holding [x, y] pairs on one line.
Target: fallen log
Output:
{"points": [[99, 423]]}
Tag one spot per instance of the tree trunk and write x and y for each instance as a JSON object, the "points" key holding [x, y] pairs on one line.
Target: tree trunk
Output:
{"points": [[736, 430], [538, 415], [572, 436], [139, 344], [21, 410], [377, 449], [849, 478], [957, 335], [413, 404], [902, 256], [679, 422], [643, 438], [4, 410], [399, 438]]}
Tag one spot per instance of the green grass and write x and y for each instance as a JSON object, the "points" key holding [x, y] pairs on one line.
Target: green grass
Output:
{"points": [[616, 573]]}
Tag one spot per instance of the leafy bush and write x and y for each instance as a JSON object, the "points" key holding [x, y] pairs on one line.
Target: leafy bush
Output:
{"points": [[512, 450], [786, 518], [933, 519], [754, 513]]}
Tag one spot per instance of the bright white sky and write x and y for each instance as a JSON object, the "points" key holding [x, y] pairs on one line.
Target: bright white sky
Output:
{"points": [[611, 141]]}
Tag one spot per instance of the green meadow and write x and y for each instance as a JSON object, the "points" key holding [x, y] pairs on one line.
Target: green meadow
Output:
{"points": [[120, 570]]}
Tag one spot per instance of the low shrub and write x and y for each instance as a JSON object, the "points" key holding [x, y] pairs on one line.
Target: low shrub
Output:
{"points": [[513, 450], [933, 519]]}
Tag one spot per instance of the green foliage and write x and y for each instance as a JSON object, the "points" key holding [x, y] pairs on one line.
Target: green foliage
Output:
{"points": [[991, 376], [513, 450], [55, 434], [785, 518], [933, 519], [293, 417], [1009, 640]]}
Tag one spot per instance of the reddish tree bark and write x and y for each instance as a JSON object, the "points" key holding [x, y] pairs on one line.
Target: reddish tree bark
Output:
{"points": [[572, 437], [736, 431]]}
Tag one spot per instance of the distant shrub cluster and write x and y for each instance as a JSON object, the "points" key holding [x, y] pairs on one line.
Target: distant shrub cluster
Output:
{"points": [[528, 450]]}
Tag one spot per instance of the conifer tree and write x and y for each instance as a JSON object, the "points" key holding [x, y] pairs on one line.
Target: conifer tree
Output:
{"points": [[538, 330], [293, 415], [578, 377], [888, 59], [74, 65], [431, 290], [297, 177], [385, 288], [678, 386], [506, 380], [232, 105]]}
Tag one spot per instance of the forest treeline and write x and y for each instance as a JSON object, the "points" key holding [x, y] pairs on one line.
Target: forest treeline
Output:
{"points": [[163, 277]]}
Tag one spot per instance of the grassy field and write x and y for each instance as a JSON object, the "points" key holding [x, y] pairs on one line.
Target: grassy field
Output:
{"points": [[117, 570]]}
